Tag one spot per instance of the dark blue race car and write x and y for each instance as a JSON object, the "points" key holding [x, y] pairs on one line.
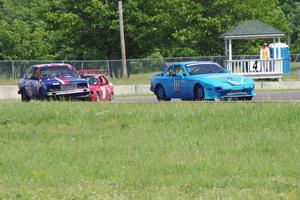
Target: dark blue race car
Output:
{"points": [[200, 81], [56, 81]]}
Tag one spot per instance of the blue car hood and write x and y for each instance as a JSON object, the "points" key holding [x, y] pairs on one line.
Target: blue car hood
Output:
{"points": [[223, 79]]}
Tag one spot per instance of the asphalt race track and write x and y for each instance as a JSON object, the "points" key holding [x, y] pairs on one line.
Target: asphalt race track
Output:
{"points": [[285, 96]]}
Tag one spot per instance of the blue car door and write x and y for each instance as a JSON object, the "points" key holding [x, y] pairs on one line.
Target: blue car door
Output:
{"points": [[166, 81], [35, 84], [177, 80], [27, 82]]}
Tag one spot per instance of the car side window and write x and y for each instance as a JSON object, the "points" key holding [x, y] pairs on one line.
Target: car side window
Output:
{"points": [[44, 74], [29, 73], [169, 71], [93, 81], [103, 81], [177, 70], [35, 74]]}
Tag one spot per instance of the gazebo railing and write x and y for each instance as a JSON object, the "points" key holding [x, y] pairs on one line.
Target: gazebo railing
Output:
{"points": [[256, 68]]}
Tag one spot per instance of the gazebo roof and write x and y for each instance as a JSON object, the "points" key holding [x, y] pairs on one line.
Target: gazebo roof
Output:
{"points": [[251, 29]]}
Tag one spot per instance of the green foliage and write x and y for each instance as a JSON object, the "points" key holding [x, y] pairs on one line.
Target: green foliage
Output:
{"points": [[295, 37], [89, 29], [22, 33]]}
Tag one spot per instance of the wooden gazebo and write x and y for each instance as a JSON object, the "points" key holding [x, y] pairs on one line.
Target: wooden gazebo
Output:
{"points": [[256, 68]]}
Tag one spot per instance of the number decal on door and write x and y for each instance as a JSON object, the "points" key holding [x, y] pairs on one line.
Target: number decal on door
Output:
{"points": [[177, 85], [103, 92]]}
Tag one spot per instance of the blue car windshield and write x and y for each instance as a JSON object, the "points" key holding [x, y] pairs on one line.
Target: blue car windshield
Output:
{"points": [[58, 72], [196, 69]]}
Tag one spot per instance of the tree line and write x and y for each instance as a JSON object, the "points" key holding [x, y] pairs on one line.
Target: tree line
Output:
{"points": [[89, 29]]}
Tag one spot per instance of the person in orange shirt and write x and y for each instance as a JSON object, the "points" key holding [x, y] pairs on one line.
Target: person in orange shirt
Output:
{"points": [[265, 52], [264, 55]]}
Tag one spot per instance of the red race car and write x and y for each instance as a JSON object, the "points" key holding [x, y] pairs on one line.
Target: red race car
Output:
{"points": [[100, 88]]}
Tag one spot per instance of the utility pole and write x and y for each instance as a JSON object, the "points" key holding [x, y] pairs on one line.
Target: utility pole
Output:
{"points": [[122, 40]]}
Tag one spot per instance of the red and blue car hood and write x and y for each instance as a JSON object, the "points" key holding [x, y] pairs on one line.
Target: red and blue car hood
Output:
{"points": [[65, 81], [62, 81]]}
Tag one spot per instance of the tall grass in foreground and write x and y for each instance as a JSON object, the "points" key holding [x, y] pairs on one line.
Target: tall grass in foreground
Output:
{"points": [[188, 150]]}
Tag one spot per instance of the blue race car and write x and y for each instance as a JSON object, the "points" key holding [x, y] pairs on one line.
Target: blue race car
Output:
{"points": [[54, 81], [200, 81]]}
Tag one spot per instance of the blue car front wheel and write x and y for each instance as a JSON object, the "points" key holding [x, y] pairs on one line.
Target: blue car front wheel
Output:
{"points": [[199, 94], [24, 97], [161, 94]]}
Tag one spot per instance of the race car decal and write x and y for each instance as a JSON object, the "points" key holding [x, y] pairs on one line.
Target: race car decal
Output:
{"points": [[220, 76], [177, 86], [235, 82], [192, 64], [103, 92], [63, 82]]}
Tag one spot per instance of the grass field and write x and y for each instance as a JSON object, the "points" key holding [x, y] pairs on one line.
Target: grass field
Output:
{"points": [[8, 81], [188, 150], [294, 73]]}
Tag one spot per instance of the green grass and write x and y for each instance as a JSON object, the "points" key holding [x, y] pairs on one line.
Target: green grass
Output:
{"points": [[8, 81], [188, 150], [294, 73]]}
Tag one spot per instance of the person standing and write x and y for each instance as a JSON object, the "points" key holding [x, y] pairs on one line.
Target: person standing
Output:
{"points": [[264, 55], [265, 52]]}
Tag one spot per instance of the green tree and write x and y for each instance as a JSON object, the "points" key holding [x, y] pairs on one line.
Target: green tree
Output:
{"points": [[89, 29], [189, 28], [22, 34], [84, 29]]}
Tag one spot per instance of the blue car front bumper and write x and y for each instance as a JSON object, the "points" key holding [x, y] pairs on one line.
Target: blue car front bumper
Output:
{"points": [[232, 92]]}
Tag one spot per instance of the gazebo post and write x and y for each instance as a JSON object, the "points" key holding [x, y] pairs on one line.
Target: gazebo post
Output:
{"points": [[230, 50], [226, 49], [279, 53], [275, 53]]}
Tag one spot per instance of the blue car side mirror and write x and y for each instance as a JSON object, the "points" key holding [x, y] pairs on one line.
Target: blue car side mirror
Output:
{"points": [[164, 67]]}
